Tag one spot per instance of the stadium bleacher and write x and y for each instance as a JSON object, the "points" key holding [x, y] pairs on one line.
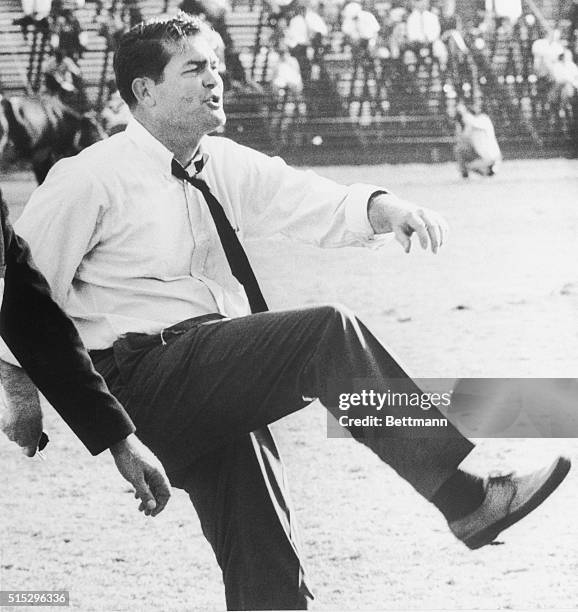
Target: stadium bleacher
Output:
{"points": [[367, 106]]}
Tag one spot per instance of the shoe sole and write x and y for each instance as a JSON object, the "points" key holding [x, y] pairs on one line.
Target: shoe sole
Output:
{"points": [[490, 533]]}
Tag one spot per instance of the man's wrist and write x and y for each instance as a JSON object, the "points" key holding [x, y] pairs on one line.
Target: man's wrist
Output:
{"points": [[374, 195], [122, 445], [377, 219]]}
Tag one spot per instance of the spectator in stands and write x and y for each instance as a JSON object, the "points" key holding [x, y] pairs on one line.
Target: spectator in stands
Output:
{"points": [[424, 32], [304, 38], [361, 29], [397, 38], [60, 73], [564, 75], [111, 23], [286, 80], [423, 26], [448, 14], [67, 35], [36, 13], [134, 14], [63, 79], [383, 11], [546, 51], [476, 149], [455, 46], [506, 13]]}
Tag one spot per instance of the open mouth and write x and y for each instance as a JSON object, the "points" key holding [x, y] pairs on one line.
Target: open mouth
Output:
{"points": [[214, 101]]}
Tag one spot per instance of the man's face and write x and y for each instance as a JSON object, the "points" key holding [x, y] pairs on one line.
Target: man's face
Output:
{"points": [[189, 98]]}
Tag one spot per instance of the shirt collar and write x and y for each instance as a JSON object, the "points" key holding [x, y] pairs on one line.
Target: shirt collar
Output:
{"points": [[157, 151], [198, 162]]}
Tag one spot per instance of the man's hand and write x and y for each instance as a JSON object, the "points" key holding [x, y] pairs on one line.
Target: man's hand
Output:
{"points": [[144, 471], [20, 413], [388, 213]]}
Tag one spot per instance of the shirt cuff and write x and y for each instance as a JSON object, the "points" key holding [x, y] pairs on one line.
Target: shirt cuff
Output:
{"points": [[356, 210]]}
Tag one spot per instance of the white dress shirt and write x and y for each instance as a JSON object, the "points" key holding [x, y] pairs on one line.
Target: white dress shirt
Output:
{"points": [[423, 27], [302, 28], [512, 9], [127, 247], [362, 26], [478, 131]]}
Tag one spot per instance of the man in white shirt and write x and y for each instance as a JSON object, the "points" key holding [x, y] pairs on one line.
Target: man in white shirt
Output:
{"points": [[509, 10], [423, 26], [136, 236], [546, 52], [360, 27], [477, 149], [304, 34], [424, 32]]}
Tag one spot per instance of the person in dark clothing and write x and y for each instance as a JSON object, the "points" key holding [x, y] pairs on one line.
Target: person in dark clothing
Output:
{"points": [[45, 342]]}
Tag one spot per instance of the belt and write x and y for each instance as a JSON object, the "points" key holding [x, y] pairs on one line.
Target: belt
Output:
{"points": [[160, 338]]}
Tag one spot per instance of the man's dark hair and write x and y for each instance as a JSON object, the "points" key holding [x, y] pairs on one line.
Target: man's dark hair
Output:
{"points": [[147, 48]]}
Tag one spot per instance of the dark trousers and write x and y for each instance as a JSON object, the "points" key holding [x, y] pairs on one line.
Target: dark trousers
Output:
{"points": [[196, 393]]}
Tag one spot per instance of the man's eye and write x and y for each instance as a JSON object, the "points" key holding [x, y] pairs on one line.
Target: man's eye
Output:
{"points": [[195, 68]]}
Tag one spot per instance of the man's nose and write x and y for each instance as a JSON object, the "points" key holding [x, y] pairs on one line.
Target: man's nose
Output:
{"points": [[211, 78]]}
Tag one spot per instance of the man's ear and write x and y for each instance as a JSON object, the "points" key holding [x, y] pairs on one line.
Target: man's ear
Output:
{"points": [[143, 90]]}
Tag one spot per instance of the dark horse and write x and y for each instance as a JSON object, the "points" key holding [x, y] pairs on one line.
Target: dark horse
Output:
{"points": [[44, 130]]}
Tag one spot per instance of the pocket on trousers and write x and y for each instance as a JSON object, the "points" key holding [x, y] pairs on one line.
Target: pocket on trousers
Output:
{"points": [[129, 352]]}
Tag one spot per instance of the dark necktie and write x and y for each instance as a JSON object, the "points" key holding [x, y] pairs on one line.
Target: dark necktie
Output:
{"points": [[234, 251]]}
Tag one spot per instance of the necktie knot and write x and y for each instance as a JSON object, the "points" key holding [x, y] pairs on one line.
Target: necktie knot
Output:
{"points": [[181, 173], [178, 171]]}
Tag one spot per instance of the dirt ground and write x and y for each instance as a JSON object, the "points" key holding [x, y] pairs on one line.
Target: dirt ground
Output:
{"points": [[501, 300]]}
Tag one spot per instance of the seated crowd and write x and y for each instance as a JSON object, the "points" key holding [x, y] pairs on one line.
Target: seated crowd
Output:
{"points": [[304, 33]]}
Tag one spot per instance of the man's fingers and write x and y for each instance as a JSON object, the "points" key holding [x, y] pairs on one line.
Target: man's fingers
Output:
{"points": [[161, 489], [388, 213], [403, 238], [29, 451], [144, 471], [434, 232], [438, 225], [154, 493], [148, 503], [430, 228], [403, 232]]}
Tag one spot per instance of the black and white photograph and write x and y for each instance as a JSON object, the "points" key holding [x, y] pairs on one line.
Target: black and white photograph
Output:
{"points": [[289, 305]]}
